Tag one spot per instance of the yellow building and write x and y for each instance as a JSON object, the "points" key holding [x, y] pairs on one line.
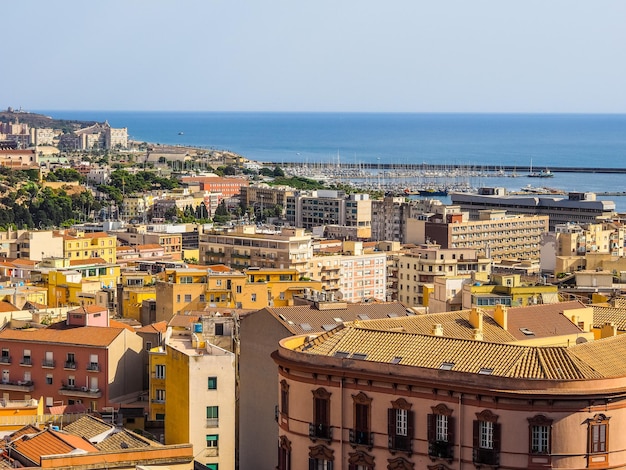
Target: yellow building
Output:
{"points": [[158, 361], [199, 397], [137, 286], [508, 290], [192, 289], [78, 245], [14, 414]]}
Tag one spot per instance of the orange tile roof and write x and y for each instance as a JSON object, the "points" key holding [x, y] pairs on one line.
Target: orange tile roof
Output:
{"points": [[98, 336], [159, 327], [88, 309], [149, 246], [81, 262], [6, 306], [49, 442], [119, 324]]}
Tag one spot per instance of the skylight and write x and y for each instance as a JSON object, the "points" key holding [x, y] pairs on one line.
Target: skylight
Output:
{"points": [[342, 354], [527, 332], [396, 360], [485, 371], [306, 326], [359, 356], [329, 327], [338, 319], [392, 315], [363, 316], [446, 365]]}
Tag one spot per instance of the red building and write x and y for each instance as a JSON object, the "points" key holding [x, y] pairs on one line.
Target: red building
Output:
{"points": [[81, 360]]}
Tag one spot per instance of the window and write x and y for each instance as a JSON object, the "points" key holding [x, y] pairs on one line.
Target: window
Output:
{"points": [[540, 435], [284, 397], [441, 432], [212, 440], [320, 427], [212, 416], [212, 466], [598, 435], [219, 329], [320, 458], [212, 385], [253, 297], [49, 379], [6, 357], [400, 425], [284, 453], [238, 289], [70, 362], [26, 359], [160, 396], [160, 371], [359, 460], [360, 434], [187, 297], [148, 345], [486, 439], [71, 381]]}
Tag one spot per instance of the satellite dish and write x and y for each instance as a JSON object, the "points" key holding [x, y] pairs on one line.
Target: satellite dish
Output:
{"points": [[581, 340]]}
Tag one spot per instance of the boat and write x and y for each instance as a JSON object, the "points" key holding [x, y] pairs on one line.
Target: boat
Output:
{"points": [[433, 192], [541, 174]]}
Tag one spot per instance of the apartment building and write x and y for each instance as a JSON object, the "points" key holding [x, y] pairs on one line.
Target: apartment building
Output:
{"points": [[248, 246], [381, 397], [261, 197], [198, 396], [576, 207], [170, 237], [494, 235], [418, 269], [98, 136], [80, 245], [310, 209], [353, 274], [228, 187], [81, 360]]}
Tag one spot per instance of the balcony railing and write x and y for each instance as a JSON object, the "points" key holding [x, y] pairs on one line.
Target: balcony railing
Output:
{"points": [[70, 365], [402, 443], [26, 361], [75, 391], [17, 386], [361, 438], [441, 449], [486, 456], [47, 363], [320, 431], [5, 359], [93, 367], [212, 422]]}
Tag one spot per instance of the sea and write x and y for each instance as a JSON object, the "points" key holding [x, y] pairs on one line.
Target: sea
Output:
{"points": [[544, 141]]}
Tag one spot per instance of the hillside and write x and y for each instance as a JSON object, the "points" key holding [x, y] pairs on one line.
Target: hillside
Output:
{"points": [[39, 120]]}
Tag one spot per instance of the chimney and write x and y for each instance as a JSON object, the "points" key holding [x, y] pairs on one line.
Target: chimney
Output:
{"points": [[608, 329], [476, 318], [477, 335], [437, 329], [500, 315]]}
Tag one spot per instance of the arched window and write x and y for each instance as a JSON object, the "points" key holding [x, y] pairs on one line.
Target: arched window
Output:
{"points": [[487, 436], [441, 432], [400, 425], [320, 427], [361, 434]]}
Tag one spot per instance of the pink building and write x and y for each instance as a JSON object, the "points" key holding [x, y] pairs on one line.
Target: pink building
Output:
{"points": [[82, 360], [362, 399]]}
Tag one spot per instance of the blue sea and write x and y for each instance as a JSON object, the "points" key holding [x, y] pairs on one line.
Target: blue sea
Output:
{"points": [[543, 140]]}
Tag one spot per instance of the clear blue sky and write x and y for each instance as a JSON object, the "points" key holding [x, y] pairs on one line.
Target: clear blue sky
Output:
{"points": [[325, 55]]}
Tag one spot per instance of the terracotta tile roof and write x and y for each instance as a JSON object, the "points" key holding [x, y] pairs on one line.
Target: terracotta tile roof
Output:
{"points": [[159, 327], [88, 427], [124, 439], [183, 320], [67, 409], [504, 360], [88, 309], [7, 307], [454, 324], [219, 268], [49, 442], [543, 320], [603, 315], [98, 336], [125, 249], [305, 319], [120, 324], [149, 246]]}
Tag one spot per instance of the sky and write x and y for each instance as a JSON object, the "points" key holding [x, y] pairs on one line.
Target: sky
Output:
{"points": [[557, 56]]}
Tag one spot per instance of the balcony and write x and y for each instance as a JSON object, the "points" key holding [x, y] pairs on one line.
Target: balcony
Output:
{"points": [[212, 452], [361, 438], [212, 423], [401, 443], [71, 365], [441, 450], [85, 392], [486, 457], [320, 431], [19, 386], [26, 361], [5, 360], [93, 367], [48, 364]]}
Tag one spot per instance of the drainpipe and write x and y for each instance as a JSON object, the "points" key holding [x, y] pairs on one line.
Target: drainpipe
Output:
{"points": [[460, 431], [341, 423]]}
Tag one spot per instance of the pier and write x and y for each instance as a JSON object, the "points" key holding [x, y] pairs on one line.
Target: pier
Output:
{"points": [[434, 167]]}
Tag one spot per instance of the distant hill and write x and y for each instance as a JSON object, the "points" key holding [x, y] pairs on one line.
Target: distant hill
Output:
{"points": [[39, 120]]}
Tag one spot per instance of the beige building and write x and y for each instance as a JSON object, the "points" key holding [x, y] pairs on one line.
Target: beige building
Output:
{"points": [[32, 244], [311, 209], [417, 270], [248, 246], [379, 397]]}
